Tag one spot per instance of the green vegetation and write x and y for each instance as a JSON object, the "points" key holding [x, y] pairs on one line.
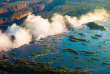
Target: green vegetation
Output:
{"points": [[94, 37], [105, 57], [2, 72], [98, 59], [90, 60], [80, 39], [14, 53], [62, 67], [82, 34], [95, 26], [84, 44], [74, 7], [47, 57], [87, 53], [72, 59], [76, 56], [104, 63], [93, 58], [40, 52], [98, 35], [62, 59], [99, 45], [5, 57], [33, 54], [26, 66], [75, 39], [45, 45], [78, 67], [70, 50], [59, 55], [81, 51], [55, 58], [98, 52]]}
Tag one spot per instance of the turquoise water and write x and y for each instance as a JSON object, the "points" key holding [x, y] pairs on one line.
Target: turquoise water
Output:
{"points": [[52, 48]]}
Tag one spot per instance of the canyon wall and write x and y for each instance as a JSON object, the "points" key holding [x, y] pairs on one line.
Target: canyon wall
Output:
{"points": [[18, 10]]}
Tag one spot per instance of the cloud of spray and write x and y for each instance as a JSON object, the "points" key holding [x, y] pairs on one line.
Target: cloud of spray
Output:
{"points": [[41, 27], [14, 38], [97, 15], [21, 36], [36, 27], [5, 41]]}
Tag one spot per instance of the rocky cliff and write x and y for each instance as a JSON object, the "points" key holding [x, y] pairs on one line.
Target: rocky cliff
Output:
{"points": [[13, 8], [20, 9]]}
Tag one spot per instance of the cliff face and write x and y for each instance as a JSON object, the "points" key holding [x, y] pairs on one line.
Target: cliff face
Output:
{"points": [[20, 9], [21, 13], [38, 7], [48, 1], [12, 8], [3, 20]]}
